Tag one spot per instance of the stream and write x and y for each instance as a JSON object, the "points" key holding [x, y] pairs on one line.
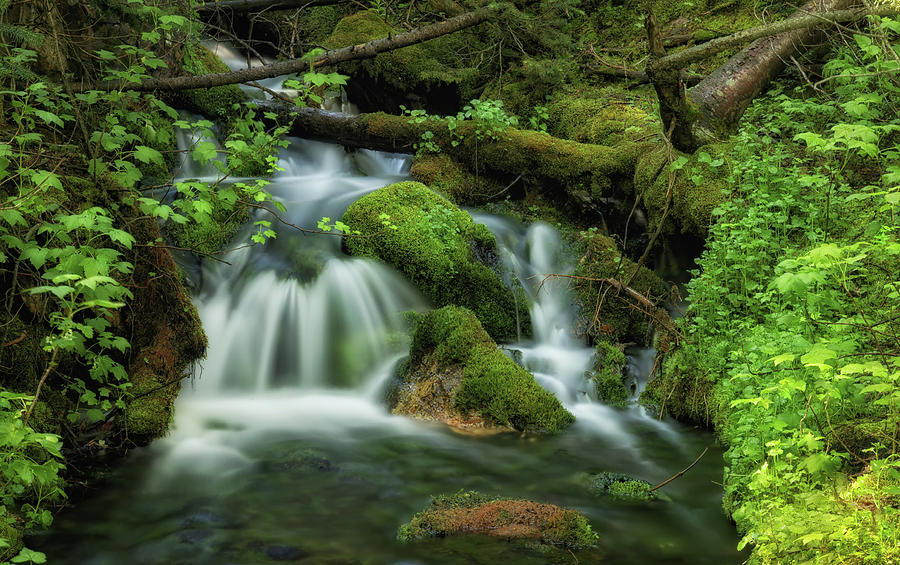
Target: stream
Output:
{"points": [[283, 450]]}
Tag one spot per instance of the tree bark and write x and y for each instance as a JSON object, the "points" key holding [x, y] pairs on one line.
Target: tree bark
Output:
{"points": [[247, 6], [712, 110], [333, 57]]}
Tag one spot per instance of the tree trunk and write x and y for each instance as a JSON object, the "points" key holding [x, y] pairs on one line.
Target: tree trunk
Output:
{"points": [[712, 109], [333, 57]]}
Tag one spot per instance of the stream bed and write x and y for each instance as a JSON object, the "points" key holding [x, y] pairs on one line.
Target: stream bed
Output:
{"points": [[283, 450]]}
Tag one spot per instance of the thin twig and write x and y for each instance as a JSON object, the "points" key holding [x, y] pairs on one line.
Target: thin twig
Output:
{"points": [[678, 474]]}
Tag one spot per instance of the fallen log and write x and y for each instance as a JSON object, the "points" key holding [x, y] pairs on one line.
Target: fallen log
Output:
{"points": [[332, 57], [561, 163], [712, 110]]}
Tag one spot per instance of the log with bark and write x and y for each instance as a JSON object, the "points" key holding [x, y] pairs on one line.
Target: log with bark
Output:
{"points": [[712, 110]]}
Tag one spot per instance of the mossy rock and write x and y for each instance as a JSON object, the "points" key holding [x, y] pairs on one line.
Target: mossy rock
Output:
{"points": [[618, 486], [596, 117], [436, 245], [217, 102], [683, 390], [606, 373], [456, 374], [450, 178], [698, 186], [470, 512], [422, 74], [617, 318]]}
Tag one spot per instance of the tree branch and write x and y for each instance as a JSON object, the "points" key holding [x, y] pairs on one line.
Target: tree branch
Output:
{"points": [[333, 57], [687, 56]]}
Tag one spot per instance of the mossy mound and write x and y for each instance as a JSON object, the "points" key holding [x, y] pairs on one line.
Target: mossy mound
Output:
{"points": [[618, 486], [437, 246], [450, 178], [474, 513], [617, 320], [698, 187], [606, 374], [209, 237], [457, 375], [595, 117], [683, 390], [422, 74]]}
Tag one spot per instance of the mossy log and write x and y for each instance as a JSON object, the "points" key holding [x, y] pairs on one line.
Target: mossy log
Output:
{"points": [[574, 174], [712, 110]]}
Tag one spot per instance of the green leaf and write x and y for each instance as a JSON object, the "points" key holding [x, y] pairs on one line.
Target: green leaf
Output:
{"points": [[146, 154], [60, 291], [818, 355]]}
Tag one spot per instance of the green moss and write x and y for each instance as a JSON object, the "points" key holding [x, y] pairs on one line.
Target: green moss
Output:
{"points": [[434, 244], [683, 390], [217, 102], [150, 411], [209, 237], [473, 512], [618, 486], [594, 116], [617, 320], [608, 364], [421, 67], [450, 178], [13, 538], [697, 190], [492, 384]]}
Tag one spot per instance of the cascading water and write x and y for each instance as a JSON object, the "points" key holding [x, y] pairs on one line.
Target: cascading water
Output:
{"points": [[282, 449]]}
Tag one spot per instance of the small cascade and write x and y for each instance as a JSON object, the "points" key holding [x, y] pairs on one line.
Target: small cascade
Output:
{"points": [[283, 445]]}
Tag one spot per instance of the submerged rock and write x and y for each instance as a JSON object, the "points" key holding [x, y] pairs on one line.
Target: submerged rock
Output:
{"points": [[618, 486], [457, 375], [474, 513], [437, 246]]}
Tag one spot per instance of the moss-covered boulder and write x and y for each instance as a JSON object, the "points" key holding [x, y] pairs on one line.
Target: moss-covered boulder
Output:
{"points": [[452, 179], [606, 374], [616, 319], [474, 513], [456, 374], [428, 73], [438, 247], [618, 486], [599, 116]]}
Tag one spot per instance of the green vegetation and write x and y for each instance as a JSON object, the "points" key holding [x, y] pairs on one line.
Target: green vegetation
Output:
{"points": [[606, 374], [470, 512], [619, 487], [492, 385], [791, 340], [435, 244]]}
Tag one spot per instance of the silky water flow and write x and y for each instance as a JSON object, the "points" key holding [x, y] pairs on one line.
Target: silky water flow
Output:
{"points": [[282, 448]]}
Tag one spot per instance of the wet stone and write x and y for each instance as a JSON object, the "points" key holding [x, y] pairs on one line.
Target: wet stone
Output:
{"points": [[195, 536], [284, 553]]}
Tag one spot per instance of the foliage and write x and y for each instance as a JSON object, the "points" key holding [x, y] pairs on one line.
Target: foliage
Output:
{"points": [[68, 249], [793, 316]]}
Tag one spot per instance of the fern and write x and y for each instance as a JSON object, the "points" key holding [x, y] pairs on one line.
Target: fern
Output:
{"points": [[20, 35]]}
